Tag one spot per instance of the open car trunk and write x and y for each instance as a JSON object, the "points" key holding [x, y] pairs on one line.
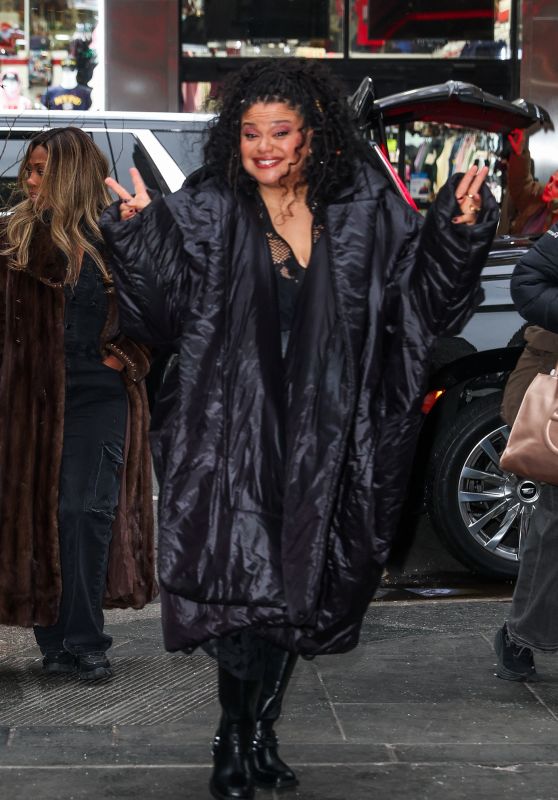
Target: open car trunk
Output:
{"points": [[429, 133]]}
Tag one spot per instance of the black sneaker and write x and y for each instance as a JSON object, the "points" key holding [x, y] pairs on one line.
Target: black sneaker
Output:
{"points": [[515, 662], [93, 667], [59, 662]]}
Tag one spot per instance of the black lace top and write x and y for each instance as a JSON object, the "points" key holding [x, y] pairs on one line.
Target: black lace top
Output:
{"points": [[289, 273]]}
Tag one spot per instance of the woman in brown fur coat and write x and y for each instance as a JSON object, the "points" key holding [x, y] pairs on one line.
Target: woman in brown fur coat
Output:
{"points": [[75, 527]]}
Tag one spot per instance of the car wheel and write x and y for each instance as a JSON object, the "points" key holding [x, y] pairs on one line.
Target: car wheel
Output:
{"points": [[479, 511]]}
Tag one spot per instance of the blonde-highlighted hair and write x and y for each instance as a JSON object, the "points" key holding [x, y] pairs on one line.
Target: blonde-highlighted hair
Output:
{"points": [[71, 198]]}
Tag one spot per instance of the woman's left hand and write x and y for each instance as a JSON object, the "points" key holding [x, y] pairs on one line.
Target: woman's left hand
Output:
{"points": [[468, 195]]}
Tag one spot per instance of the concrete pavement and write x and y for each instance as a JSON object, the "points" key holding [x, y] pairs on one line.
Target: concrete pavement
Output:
{"points": [[415, 711]]}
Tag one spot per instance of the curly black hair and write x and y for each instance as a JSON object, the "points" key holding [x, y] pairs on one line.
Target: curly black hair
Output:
{"points": [[306, 86]]}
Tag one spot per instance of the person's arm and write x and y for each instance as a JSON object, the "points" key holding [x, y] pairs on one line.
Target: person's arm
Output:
{"points": [[534, 283], [150, 270], [442, 264], [523, 188]]}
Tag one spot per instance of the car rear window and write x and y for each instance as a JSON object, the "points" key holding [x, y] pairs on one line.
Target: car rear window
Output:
{"points": [[124, 151], [12, 150], [185, 147]]}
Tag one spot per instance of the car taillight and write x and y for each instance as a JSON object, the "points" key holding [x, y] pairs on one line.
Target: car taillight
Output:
{"points": [[430, 400]]}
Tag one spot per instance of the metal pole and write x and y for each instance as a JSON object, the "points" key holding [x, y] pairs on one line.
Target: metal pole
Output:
{"points": [[100, 91], [515, 10], [27, 34]]}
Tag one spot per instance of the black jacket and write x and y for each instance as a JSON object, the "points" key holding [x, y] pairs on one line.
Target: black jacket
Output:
{"points": [[534, 284], [281, 483]]}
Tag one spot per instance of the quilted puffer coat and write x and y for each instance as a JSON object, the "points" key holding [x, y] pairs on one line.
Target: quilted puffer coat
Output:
{"points": [[534, 284], [282, 481]]}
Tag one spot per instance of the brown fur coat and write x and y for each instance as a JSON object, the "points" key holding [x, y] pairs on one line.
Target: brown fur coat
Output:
{"points": [[32, 392]]}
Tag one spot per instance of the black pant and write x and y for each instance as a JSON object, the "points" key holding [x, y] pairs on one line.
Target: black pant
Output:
{"points": [[94, 432], [243, 654], [533, 617]]}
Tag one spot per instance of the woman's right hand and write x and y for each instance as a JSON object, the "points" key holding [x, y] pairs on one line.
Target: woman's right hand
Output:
{"points": [[130, 205]]}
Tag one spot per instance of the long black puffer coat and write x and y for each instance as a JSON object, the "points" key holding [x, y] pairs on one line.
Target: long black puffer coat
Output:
{"points": [[281, 483]]}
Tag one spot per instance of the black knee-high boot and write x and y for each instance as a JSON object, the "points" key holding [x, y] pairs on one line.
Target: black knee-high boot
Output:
{"points": [[268, 770], [231, 779]]}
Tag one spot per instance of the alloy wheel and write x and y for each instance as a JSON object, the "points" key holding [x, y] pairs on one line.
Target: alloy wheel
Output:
{"points": [[496, 506]]}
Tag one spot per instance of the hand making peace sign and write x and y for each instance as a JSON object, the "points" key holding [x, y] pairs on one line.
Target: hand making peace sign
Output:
{"points": [[130, 205], [468, 195]]}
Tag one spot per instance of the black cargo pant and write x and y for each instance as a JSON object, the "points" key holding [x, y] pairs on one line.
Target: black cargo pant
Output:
{"points": [[94, 433], [533, 617]]}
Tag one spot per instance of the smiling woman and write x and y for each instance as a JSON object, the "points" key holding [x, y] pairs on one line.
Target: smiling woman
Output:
{"points": [[273, 144], [304, 297]]}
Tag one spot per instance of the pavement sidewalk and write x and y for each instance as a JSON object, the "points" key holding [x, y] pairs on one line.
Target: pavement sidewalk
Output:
{"points": [[415, 711]]}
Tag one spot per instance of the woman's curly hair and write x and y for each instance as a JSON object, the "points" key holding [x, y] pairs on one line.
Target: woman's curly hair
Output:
{"points": [[309, 88]]}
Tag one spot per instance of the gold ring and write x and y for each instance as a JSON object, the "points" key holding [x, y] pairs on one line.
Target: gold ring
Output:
{"points": [[471, 196], [473, 209]]}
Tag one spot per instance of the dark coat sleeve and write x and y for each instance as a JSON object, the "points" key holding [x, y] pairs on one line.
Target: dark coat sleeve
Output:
{"points": [[534, 284], [434, 292], [147, 259], [449, 257]]}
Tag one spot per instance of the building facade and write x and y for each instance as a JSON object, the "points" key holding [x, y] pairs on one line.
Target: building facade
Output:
{"points": [[170, 55]]}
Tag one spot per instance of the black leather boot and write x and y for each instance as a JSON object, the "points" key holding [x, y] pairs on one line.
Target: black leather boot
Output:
{"points": [[231, 779], [268, 770]]}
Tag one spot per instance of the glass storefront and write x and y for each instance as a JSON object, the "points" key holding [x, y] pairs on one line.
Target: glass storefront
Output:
{"points": [[246, 29], [48, 54], [431, 28], [338, 29], [250, 28]]}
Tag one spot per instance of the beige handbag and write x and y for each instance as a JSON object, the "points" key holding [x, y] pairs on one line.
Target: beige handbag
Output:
{"points": [[532, 448]]}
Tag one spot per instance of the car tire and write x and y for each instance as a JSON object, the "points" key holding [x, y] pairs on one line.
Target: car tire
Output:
{"points": [[481, 513]]}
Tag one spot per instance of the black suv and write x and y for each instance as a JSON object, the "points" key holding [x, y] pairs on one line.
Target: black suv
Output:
{"points": [[480, 512]]}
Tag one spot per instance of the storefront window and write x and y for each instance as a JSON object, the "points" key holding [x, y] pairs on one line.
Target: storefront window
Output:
{"points": [[48, 54], [221, 28], [251, 28], [430, 28]]}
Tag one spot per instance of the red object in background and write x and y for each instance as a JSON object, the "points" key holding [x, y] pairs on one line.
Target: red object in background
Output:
{"points": [[8, 38], [516, 138], [550, 192], [504, 11], [362, 39], [382, 21], [398, 183]]}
